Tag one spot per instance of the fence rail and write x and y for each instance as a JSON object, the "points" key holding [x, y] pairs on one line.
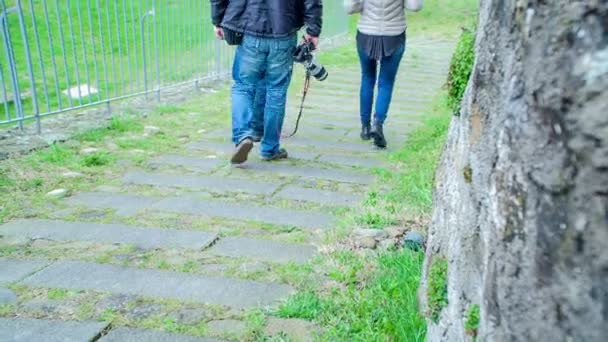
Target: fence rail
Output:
{"points": [[62, 55]]}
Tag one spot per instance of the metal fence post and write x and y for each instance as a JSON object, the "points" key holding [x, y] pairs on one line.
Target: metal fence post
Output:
{"points": [[6, 39]]}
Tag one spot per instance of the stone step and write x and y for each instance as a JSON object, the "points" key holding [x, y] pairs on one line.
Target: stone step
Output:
{"points": [[264, 250], [37, 330], [323, 197], [309, 172], [345, 160], [213, 208], [12, 270], [211, 183], [146, 238], [75, 275], [196, 164], [141, 335]]}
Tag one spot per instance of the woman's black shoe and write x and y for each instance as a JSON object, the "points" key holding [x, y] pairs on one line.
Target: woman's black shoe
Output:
{"points": [[378, 134], [365, 129]]}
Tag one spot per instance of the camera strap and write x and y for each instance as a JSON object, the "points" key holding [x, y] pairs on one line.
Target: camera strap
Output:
{"points": [[304, 93]]}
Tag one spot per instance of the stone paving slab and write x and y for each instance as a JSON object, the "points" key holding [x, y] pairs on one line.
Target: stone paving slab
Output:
{"points": [[346, 160], [331, 145], [38, 330], [124, 204], [327, 198], [212, 183], [264, 250], [209, 146], [246, 211], [12, 270], [76, 275], [191, 163], [309, 172], [141, 335], [147, 238]]}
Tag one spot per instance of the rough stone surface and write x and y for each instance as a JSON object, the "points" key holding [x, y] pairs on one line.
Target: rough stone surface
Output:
{"points": [[34, 330], [72, 175], [377, 234], [265, 250], [58, 193], [227, 327], [192, 163], [521, 195], [147, 238], [138, 335], [152, 130], [367, 242], [7, 296], [14, 270], [160, 284], [413, 240], [213, 183], [51, 306], [115, 302], [190, 316], [298, 330], [312, 172], [89, 150], [144, 310], [328, 198], [395, 232], [126, 205]]}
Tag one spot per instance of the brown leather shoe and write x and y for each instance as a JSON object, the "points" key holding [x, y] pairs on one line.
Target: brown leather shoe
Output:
{"points": [[242, 151]]}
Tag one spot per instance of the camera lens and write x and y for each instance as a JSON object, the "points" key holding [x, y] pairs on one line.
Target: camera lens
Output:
{"points": [[318, 71]]}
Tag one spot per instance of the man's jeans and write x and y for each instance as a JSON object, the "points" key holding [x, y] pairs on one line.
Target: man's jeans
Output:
{"points": [[388, 72], [259, 103], [270, 59]]}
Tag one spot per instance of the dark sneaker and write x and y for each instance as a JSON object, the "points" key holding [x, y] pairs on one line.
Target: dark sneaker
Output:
{"points": [[242, 151], [282, 154], [377, 133]]}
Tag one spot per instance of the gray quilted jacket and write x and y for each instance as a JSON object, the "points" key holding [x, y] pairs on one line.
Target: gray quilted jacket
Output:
{"points": [[383, 17]]}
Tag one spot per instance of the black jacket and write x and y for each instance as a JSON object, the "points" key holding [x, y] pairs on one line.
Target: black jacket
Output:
{"points": [[268, 18]]}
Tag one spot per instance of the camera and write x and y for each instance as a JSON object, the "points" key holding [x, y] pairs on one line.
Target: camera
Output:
{"points": [[304, 56]]}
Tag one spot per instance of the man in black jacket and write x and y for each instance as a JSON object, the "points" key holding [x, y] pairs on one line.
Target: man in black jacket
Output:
{"points": [[270, 28]]}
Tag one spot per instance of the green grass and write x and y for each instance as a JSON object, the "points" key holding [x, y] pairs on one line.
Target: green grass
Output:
{"points": [[438, 287], [460, 69], [306, 305], [385, 308], [471, 323]]}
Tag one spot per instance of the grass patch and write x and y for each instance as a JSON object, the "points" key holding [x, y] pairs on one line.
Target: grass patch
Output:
{"points": [[57, 294], [460, 69], [438, 287], [385, 308], [471, 323], [97, 159], [305, 305]]}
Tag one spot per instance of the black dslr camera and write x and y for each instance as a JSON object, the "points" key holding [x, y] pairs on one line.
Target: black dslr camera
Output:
{"points": [[304, 56]]}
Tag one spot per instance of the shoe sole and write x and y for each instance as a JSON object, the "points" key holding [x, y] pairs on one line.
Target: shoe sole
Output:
{"points": [[242, 152]]}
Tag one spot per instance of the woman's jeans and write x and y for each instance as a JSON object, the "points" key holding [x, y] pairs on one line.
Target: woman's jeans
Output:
{"points": [[386, 80]]}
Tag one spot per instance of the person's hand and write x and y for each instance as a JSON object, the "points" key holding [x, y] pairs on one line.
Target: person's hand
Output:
{"points": [[313, 40], [219, 32]]}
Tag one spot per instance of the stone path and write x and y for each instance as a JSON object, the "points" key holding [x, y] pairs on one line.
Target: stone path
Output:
{"points": [[187, 239]]}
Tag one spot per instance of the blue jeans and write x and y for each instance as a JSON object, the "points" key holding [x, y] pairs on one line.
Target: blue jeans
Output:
{"points": [[259, 103], [386, 80], [257, 59]]}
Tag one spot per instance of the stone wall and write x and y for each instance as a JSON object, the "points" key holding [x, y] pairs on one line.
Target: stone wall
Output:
{"points": [[521, 197]]}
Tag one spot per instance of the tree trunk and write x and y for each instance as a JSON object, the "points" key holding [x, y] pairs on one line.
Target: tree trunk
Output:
{"points": [[521, 197]]}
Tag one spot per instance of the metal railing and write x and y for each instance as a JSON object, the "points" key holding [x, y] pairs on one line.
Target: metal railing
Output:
{"points": [[62, 55]]}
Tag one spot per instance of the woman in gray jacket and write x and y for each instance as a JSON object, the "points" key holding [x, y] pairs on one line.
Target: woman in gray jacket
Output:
{"points": [[380, 42]]}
